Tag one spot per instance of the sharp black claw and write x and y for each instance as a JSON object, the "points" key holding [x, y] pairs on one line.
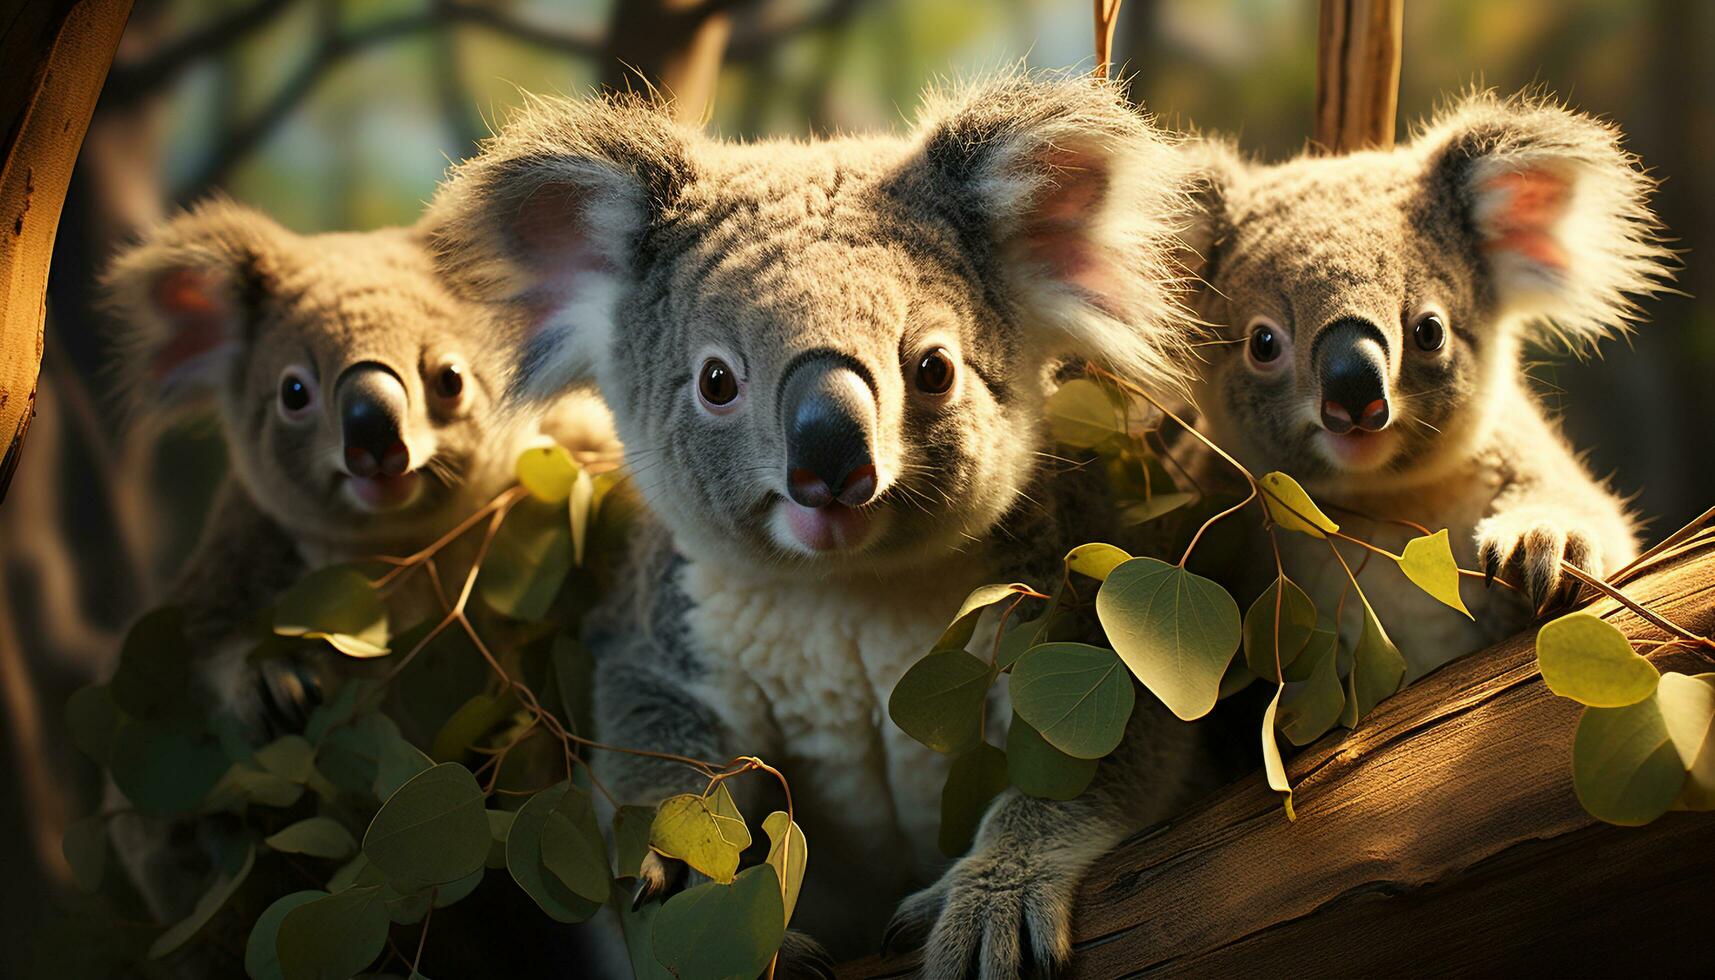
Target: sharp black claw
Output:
{"points": [[1489, 570], [642, 895]]}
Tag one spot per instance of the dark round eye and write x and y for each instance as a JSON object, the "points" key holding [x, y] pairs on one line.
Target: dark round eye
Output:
{"points": [[1265, 343], [1430, 332], [449, 382], [295, 393], [716, 383], [935, 372]]}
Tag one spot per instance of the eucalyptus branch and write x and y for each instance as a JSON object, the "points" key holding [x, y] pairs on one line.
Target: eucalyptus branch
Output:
{"points": [[1654, 619]]}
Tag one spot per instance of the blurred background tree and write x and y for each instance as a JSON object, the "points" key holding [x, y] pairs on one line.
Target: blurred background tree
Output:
{"points": [[333, 114]]}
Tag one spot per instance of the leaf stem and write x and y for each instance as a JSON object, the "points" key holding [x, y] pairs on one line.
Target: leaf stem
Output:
{"points": [[1658, 621]]}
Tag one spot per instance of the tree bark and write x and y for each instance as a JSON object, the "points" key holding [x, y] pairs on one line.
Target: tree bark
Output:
{"points": [[673, 46], [53, 59], [1442, 837], [1357, 74]]}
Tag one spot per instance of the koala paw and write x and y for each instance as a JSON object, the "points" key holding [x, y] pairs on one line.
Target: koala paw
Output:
{"points": [[988, 918], [660, 878], [1527, 552], [270, 697], [802, 958]]}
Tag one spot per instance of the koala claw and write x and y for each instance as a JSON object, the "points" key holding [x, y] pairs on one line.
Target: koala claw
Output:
{"points": [[801, 958], [987, 921], [659, 878], [277, 695], [1528, 554]]}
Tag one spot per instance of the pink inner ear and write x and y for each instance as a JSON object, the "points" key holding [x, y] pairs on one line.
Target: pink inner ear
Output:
{"points": [[1057, 234], [191, 300], [1532, 203], [552, 234]]}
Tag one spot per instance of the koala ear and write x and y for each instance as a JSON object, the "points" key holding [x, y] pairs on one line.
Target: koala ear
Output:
{"points": [[1215, 169], [1559, 208], [179, 294], [548, 220], [1071, 199]]}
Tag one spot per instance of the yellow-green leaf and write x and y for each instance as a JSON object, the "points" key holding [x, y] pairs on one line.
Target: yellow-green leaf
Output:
{"points": [[1176, 631], [1291, 508], [1591, 661], [964, 625], [1262, 637], [939, 701], [1095, 560], [1084, 414], [336, 605], [548, 473], [1273, 766], [1630, 764], [1428, 562], [704, 832], [321, 837], [788, 853], [1312, 705], [1699, 790], [1377, 669]]}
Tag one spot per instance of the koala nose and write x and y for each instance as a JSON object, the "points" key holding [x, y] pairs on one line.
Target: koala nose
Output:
{"points": [[1351, 360], [372, 403], [828, 409]]}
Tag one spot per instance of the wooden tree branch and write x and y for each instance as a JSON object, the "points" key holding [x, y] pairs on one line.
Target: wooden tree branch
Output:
{"points": [[1442, 837], [135, 81], [1357, 73]]}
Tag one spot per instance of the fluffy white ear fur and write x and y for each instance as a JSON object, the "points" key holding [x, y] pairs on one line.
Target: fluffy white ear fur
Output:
{"points": [[176, 295], [1083, 198], [1562, 210], [545, 220]]}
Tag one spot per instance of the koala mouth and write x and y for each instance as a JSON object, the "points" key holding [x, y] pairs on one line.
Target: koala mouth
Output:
{"points": [[382, 492], [830, 527], [1358, 451]]}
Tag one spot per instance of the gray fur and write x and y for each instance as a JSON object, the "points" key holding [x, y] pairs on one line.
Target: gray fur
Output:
{"points": [[1024, 222], [1447, 222]]}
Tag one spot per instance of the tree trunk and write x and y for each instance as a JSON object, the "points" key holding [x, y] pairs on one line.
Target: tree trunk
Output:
{"points": [[1357, 74], [1442, 837], [673, 46]]}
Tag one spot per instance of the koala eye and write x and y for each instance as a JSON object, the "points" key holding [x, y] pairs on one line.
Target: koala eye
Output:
{"points": [[717, 386], [449, 383], [935, 372], [297, 394], [1267, 342], [1430, 332]]}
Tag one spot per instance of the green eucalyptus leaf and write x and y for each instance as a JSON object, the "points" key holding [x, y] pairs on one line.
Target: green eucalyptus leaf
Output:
{"points": [[705, 832], [524, 860], [1274, 768], [1377, 669], [528, 561], [1297, 622], [1630, 764], [478, 716], [499, 827], [337, 605], [1085, 414], [631, 837], [334, 937], [1077, 696], [718, 931], [976, 777], [290, 757], [431, 831], [409, 908], [939, 701], [1584, 658], [638, 927], [1038, 768], [322, 837], [1177, 631], [261, 952], [573, 848], [964, 625], [1158, 505], [789, 854], [235, 864], [154, 671], [1699, 790], [163, 770], [1309, 707]]}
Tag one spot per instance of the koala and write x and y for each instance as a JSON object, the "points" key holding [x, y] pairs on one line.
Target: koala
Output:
{"points": [[1377, 308], [358, 402], [828, 363]]}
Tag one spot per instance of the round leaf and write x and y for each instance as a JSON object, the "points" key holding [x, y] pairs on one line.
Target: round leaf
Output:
{"points": [[164, 771], [1096, 560], [716, 931], [333, 938], [432, 831], [1176, 631], [1699, 791], [976, 777], [1084, 414], [1590, 661], [1377, 669], [337, 605], [547, 472], [261, 953], [1291, 508], [631, 837], [154, 666], [1077, 696], [1040, 769], [524, 860], [704, 832], [1297, 622], [939, 701], [321, 837], [236, 862], [528, 561], [1309, 707], [573, 849], [1428, 562], [1625, 767]]}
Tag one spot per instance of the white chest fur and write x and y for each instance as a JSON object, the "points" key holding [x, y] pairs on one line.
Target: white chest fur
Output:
{"points": [[802, 669]]}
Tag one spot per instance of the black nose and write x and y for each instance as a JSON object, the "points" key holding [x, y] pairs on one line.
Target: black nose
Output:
{"points": [[828, 409], [1351, 359], [372, 403]]}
